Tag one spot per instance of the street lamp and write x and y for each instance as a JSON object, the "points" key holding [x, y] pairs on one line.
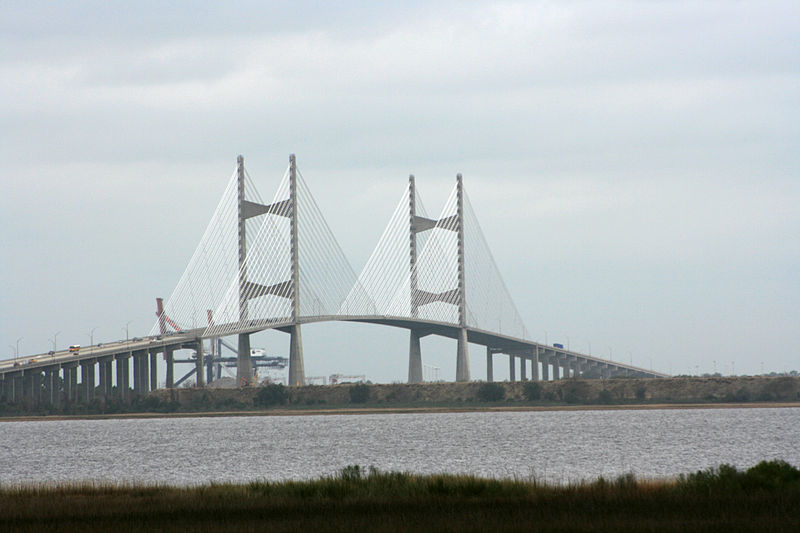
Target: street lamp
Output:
{"points": [[53, 340], [126, 329], [17, 348], [91, 338]]}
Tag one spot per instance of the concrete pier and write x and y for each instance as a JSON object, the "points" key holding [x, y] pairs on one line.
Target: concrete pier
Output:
{"points": [[489, 364], [153, 369], [199, 361], [52, 393], [169, 355], [297, 372], [87, 380], [462, 356], [523, 368], [137, 374], [512, 368], [244, 362], [123, 376], [414, 358]]}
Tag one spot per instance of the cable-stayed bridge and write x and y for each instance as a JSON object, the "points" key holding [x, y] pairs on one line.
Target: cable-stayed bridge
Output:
{"points": [[275, 264]]}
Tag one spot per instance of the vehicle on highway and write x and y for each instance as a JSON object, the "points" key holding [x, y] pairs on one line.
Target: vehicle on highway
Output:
{"points": [[75, 348]]}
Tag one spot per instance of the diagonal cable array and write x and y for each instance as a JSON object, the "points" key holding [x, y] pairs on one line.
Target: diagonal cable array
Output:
{"points": [[385, 276], [213, 263], [263, 285], [413, 272], [326, 277], [259, 290], [435, 273], [489, 304]]}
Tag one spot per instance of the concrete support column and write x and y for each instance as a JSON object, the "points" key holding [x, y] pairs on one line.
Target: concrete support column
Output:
{"points": [[36, 386], [101, 371], [122, 376], [145, 372], [244, 362], [512, 368], [106, 377], [70, 382], [169, 355], [153, 370], [523, 368], [414, 358], [489, 365], [297, 372], [4, 380], [535, 365], [19, 388], [462, 356], [87, 378], [27, 387], [51, 385], [137, 374], [545, 368], [199, 362]]}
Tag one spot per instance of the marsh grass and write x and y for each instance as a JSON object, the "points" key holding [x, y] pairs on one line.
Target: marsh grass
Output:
{"points": [[765, 497]]}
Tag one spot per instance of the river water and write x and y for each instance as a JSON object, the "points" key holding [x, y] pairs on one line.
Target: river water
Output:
{"points": [[557, 446]]}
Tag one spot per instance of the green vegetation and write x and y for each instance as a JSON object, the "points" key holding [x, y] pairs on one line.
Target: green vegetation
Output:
{"points": [[272, 394], [359, 393], [491, 392], [532, 391], [469, 395], [765, 497]]}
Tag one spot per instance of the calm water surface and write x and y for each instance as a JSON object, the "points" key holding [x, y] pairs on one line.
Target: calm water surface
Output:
{"points": [[557, 446]]}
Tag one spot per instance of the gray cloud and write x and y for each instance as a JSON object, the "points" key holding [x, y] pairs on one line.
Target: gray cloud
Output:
{"points": [[634, 165]]}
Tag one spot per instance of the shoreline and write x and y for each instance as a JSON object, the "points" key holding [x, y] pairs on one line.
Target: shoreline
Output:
{"points": [[404, 410]]}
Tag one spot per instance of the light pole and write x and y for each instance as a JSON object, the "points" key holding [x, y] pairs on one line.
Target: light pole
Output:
{"points": [[91, 338], [126, 330], [17, 348], [15, 353], [53, 340], [610, 353]]}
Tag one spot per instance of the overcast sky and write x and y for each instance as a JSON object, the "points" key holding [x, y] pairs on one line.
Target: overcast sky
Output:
{"points": [[635, 165]]}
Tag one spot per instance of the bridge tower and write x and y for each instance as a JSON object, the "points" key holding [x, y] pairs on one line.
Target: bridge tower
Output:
{"points": [[244, 364], [415, 224], [457, 296], [297, 373], [249, 289], [462, 350]]}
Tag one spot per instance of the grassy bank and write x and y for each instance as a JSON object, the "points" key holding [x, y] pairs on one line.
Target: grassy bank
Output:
{"points": [[472, 395], [765, 497]]}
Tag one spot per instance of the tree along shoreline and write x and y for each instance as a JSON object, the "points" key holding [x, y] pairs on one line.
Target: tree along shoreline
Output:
{"points": [[679, 392]]}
